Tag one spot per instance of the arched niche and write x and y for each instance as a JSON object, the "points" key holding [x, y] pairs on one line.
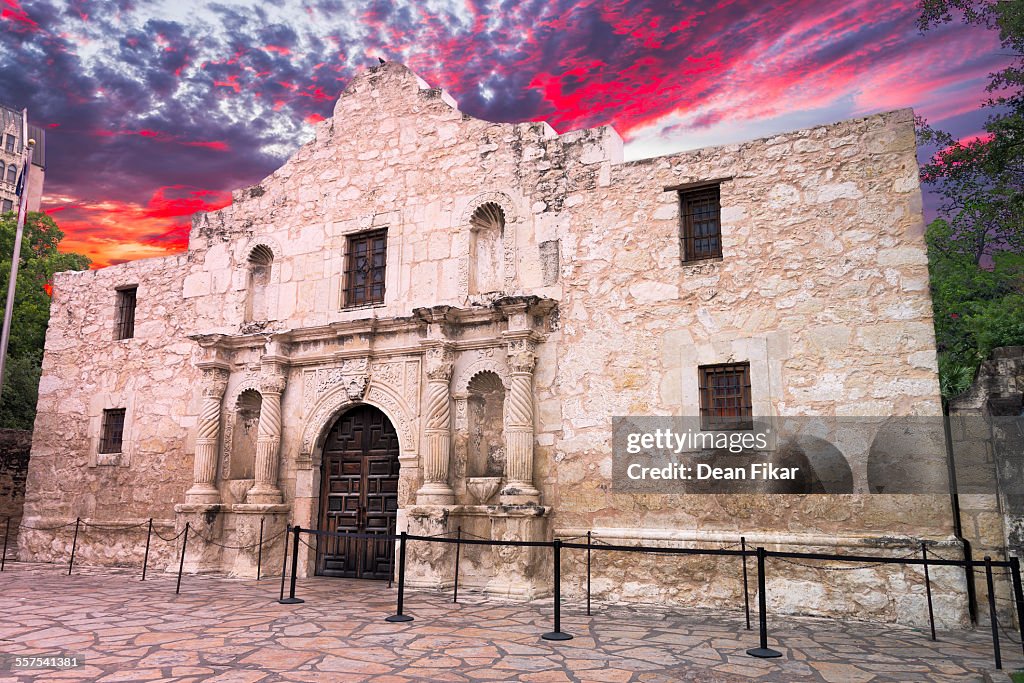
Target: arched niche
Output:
{"points": [[246, 418], [259, 265], [489, 263], [486, 249], [485, 402]]}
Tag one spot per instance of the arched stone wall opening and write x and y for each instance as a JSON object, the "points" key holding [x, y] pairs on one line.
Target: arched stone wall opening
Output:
{"points": [[485, 408], [261, 260], [243, 435], [359, 476]]}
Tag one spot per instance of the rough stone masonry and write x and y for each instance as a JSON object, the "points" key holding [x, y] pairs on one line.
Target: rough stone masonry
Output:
{"points": [[519, 288]]}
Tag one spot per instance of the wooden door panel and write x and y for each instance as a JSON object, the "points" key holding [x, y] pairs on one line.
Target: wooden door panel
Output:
{"points": [[359, 493]]}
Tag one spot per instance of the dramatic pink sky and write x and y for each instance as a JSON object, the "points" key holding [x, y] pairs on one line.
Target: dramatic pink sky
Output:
{"points": [[157, 109]]}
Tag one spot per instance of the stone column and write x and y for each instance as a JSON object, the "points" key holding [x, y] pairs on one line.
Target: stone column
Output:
{"points": [[204, 487], [437, 410], [268, 436], [519, 488]]}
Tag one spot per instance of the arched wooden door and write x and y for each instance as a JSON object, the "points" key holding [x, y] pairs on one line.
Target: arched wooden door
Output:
{"points": [[359, 493]]}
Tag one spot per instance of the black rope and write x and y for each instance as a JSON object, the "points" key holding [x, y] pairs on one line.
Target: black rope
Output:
{"points": [[46, 528], [172, 538], [249, 546], [841, 569], [115, 527]]}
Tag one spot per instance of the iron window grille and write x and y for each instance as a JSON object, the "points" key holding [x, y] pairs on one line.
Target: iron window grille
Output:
{"points": [[701, 230], [725, 400], [364, 269], [113, 430], [125, 328]]}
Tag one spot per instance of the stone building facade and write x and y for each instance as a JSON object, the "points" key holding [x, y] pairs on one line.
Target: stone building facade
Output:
{"points": [[427, 321]]}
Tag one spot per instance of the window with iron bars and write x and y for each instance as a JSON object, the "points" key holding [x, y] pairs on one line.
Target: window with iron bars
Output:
{"points": [[113, 430], [725, 401], [701, 223], [364, 269], [125, 325]]}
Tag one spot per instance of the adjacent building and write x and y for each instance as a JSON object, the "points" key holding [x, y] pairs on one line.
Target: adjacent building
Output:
{"points": [[11, 147]]}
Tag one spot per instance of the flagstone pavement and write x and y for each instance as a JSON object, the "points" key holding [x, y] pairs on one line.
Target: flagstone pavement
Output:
{"points": [[234, 631]]}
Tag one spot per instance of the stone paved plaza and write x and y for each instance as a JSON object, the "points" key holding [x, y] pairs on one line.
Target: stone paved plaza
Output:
{"points": [[235, 631]]}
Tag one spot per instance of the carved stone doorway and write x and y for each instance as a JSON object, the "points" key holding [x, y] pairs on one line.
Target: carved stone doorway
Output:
{"points": [[359, 493]]}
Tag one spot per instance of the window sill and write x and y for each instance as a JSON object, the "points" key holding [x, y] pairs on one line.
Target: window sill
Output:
{"points": [[362, 307]]}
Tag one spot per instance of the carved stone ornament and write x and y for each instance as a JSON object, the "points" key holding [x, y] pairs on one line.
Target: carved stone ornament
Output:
{"points": [[356, 387], [522, 355], [272, 383], [439, 363], [215, 382]]}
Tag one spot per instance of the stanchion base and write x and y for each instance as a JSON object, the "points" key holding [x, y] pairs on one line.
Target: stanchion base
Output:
{"points": [[291, 601], [396, 618], [763, 652], [556, 635]]}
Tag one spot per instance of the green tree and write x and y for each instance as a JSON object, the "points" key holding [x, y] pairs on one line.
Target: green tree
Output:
{"points": [[976, 247], [36, 267]]}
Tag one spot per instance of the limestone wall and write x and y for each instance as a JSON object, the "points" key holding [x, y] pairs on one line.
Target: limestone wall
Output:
{"points": [[822, 287], [86, 370]]}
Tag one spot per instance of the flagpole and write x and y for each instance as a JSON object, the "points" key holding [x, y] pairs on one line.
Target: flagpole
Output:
{"points": [[26, 164]]}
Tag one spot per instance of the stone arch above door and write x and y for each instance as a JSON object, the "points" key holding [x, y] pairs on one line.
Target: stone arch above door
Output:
{"points": [[334, 403]]}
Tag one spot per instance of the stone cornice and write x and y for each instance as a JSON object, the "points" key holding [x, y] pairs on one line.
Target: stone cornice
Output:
{"points": [[444, 317]]}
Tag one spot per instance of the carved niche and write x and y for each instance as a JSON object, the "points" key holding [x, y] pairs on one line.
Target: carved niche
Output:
{"points": [[490, 264]]}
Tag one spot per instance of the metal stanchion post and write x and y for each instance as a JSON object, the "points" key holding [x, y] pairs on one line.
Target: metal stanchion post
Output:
{"points": [[181, 560], [291, 599], [557, 634], [284, 566], [972, 591], [458, 548], [746, 586], [763, 651], [391, 554], [588, 573], [1018, 594], [400, 616], [928, 588], [992, 612], [259, 553], [74, 546], [7, 533], [145, 557]]}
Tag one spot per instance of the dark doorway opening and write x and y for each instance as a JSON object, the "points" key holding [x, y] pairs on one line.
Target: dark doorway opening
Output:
{"points": [[359, 493]]}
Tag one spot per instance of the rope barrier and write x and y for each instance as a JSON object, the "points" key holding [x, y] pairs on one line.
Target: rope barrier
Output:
{"points": [[172, 538], [115, 527], [249, 546], [45, 528]]}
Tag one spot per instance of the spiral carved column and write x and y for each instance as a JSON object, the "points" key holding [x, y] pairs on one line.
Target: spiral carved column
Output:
{"points": [[204, 489], [268, 438], [519, 488], [436, 456]]}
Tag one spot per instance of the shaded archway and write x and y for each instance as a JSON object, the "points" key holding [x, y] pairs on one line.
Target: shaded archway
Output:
{"points": [[358, 493]]}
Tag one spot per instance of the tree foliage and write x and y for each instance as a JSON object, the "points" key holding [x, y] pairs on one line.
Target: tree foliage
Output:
{"points": [[36, 267], [976, 247]]}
